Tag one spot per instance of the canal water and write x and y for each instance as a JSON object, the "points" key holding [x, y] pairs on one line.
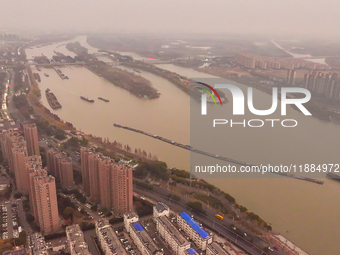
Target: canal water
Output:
{"points": [[304, 212]]}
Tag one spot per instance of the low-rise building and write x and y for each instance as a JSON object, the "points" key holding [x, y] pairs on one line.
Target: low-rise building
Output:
{"points": [[107, 238], [195, 232], [36, 245], [190, 251], [216, 249], [160, 209], [143, 241], [130, 218], [76, 241], [171, 235]]}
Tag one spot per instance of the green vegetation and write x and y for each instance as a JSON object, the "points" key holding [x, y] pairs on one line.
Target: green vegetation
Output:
{"points": [[8, 192], [64, 206], [157, 170], [43, 156], [77, 176], [180, 173], [26, 205], [17, 195], [29, 217], [174, 197], [76, 193], [18, 77], [86, 226], [21, 240], [116, 220], [135, 84], [54, 236], [72, 144], [241, 208], [144, 185], [212, 201], [143, 207], [50, 130], [180, 81], [59, 134], [196, 206], [21, 103]]}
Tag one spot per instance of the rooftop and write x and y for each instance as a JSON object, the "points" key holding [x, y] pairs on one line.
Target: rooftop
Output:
{"points": [[191, 251], [161, 207], [174, 232], [130, 215], [76, 240], [217, 248], [144, 237], [194, 225], [37, 244], [112, 241]]}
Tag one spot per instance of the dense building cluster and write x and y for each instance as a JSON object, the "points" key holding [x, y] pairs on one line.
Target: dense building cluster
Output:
{"points": [[253, 61], [60, 166], [107, 182], [325, 84], [23, 157]]}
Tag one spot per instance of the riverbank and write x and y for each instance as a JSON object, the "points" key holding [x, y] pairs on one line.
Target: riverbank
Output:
{"points": [[34, 99], [135, 84], [317, 106]]}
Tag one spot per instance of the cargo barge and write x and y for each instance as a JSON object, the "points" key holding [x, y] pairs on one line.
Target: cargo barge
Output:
{"points": [[188, 147], [103, 99], [52, 100], [87, 99], [37, 77], [333, 176]]}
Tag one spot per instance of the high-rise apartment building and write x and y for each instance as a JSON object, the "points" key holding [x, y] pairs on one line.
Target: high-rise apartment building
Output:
{"points": [[65, 171], [19, 154], [51, 157], [31, 137], [43, 196], [60, 166], [86, 154], [110, 183]]}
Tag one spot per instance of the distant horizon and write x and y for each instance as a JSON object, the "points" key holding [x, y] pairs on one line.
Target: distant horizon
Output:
{"points": [[288, 18], [181, 35]]}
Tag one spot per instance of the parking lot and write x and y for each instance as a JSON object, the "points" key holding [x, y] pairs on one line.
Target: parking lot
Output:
{"points": [[9, 220]]}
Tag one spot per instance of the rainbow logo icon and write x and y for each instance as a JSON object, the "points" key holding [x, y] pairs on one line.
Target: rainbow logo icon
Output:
{"points": [[207, 91]]}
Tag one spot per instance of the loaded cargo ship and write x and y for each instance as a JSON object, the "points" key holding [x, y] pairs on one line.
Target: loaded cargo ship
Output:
{"points": [[87, 99], [103, 99], [37, 77], [333, 176], [52, 100]]}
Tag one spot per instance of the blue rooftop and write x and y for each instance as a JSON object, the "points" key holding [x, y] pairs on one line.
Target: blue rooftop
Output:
{"points": [[194, 225], [192, 251], [138, 226]]}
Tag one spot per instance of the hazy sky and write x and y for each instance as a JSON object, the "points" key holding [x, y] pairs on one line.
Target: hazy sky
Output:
{"points": [[317, 17]]}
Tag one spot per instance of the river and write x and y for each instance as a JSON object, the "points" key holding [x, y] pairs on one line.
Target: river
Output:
{"points": [[304, 212]]}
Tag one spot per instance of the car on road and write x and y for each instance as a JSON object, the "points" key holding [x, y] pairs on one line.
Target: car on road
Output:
{"points": [[270, 248]]}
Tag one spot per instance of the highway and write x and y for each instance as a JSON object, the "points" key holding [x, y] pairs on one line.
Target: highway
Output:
{"points": [[159, 194]]}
